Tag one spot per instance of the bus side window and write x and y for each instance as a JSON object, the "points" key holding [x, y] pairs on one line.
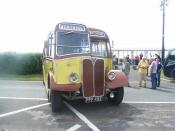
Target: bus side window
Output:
{"points": [[45, 50], [50, 50], [109, 53]]}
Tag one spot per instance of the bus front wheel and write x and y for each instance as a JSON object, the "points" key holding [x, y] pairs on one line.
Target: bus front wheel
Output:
{"points": [[116, 96], [56, 101]]}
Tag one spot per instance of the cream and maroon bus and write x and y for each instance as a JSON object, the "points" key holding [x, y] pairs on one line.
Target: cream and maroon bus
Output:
{"points": [[77, 64]]}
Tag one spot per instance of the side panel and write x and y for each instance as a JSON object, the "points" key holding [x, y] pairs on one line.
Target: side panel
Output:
{"points": [[47, 65], [87, 78], [107, 66], [108, 63], [64, 67]]}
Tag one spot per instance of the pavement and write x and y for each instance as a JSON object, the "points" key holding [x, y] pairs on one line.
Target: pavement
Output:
{"points": [[24, 107]]}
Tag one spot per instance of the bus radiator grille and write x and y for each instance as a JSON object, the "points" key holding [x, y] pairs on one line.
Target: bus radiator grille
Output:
{"points": [[93, 78]]}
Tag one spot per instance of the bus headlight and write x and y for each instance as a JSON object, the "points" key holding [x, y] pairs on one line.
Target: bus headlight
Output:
{"points": [[73, 77], [111, 75]]}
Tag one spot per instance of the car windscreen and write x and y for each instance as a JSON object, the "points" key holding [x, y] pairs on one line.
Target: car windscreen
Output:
{"points": [[72, 43]]}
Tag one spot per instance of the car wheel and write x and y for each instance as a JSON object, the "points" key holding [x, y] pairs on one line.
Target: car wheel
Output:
{"points": [[173, 74], [117, 96], [56, 101]]}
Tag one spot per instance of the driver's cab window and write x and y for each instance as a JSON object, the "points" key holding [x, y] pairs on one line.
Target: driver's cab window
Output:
{"points": [[99, 48]]}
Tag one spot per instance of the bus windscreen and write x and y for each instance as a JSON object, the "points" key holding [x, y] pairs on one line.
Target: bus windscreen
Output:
{"points": [[72, 43]]}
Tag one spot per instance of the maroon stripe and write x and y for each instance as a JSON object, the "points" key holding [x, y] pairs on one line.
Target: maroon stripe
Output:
{"points": [[70, 55], [87, 77], [99, 77]]}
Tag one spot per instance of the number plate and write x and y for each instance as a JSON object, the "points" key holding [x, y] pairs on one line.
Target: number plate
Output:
{"points": [[93, 99]]}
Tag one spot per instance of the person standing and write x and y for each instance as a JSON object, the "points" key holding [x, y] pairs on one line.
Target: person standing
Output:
{"points": [[136, 60], [114, 62], [126, 68], [159, 67], [141, 55], [143, 70], [153, 73]]}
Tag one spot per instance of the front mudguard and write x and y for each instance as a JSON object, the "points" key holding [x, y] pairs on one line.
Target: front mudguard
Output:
{"points": [[120, 80]]}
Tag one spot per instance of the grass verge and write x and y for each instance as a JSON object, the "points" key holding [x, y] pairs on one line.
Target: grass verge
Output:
{"points": [[33, 77]]}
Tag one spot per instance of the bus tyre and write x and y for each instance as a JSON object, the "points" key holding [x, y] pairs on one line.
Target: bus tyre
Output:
{"points": [[49, 95], [56, 101], [116, 96]]}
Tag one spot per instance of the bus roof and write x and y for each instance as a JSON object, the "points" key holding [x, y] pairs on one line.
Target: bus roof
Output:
{"points": [[93, 32]]}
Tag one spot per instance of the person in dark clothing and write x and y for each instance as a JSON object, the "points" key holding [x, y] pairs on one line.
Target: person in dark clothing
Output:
{"points": [[136, 59], [158, 56], [141, 55], [159, 67]]}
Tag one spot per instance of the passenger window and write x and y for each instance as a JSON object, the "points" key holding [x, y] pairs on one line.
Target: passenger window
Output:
{"points": [[45, 48], [50, 45]]}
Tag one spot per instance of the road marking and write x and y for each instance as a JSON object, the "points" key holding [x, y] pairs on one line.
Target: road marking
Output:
{"points": [[148, 102], [82, 117], [22, 110], [74, 128], [22, 98]]}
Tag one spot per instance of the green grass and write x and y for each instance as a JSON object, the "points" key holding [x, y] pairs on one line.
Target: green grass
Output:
{"points": [[33, 77]]}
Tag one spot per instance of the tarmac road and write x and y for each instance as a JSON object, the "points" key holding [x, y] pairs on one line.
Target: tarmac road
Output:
{"points": [[24, 107]]}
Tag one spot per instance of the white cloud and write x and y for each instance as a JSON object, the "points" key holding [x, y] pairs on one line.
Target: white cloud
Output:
{"points": [[25, 23]]}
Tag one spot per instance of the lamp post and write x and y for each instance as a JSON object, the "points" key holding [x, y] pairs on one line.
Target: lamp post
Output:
{"points": [[162, 5]]}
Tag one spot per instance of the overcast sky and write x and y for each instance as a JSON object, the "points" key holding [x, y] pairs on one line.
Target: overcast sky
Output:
{"points": [[24, 24]]}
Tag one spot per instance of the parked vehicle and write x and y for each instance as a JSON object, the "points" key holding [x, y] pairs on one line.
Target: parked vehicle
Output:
{"points": [[77, 64], [169, 64]]}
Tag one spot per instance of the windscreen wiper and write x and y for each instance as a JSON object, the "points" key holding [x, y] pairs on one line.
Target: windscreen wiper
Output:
{"points": [[69, 32]]}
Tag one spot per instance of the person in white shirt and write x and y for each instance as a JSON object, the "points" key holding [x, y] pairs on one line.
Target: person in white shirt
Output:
{"points": [[126, 68], [153, 73]]}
